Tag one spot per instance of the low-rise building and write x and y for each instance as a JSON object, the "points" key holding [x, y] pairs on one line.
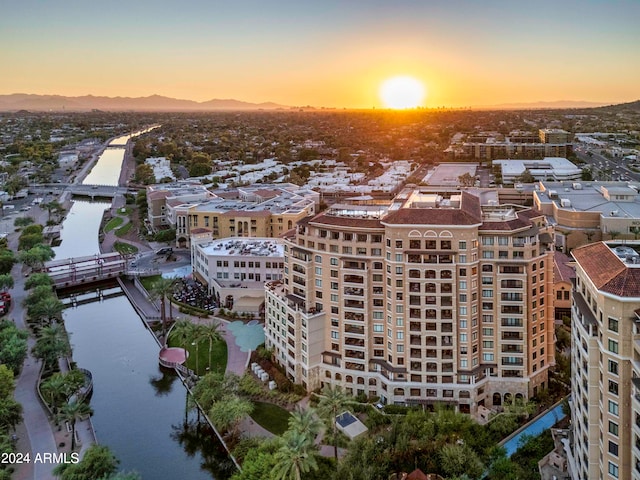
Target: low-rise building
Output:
{"points": [[236, 269], [548, 168]]}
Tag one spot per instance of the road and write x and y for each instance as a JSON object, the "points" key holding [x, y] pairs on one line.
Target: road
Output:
{"points": [[604, 168]]}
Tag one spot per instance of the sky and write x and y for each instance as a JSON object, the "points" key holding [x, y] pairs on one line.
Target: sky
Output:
{"points": [[324, 53]]}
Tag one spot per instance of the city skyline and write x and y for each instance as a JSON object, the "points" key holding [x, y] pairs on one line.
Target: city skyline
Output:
{"points": [[325, 55]]}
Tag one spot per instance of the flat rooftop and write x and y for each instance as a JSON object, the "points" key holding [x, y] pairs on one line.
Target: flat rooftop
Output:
{"points": [[242, 247], [447, 174], [594, 197]]}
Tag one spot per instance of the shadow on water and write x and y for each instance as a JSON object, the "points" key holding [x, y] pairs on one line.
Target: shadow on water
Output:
{"points": [[163, 384], [198, 437]]}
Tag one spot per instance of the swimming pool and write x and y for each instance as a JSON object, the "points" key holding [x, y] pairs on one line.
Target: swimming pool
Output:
{"points": [[534, 429]]}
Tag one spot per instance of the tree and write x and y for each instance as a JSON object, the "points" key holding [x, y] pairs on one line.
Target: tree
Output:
{"points": [[333, 401], [36, 257], [97, 462], [636, 232], [525, 177], [6, 281], [457, 460], [23, 221], [296, 455], [305, 422], [7, 261], [7, 384], [614, 234], [54, 389], [13, 346], [211, 332], [181, 332], [466, 180], [52, 206], [159, 290], [144, 174], [228, 411], [51, 344], [38, 279], [10, 414], [48, 309], [72, 412]]}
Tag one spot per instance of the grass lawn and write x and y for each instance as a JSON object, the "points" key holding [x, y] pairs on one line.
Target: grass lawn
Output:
{"points": [[271, 417], [115, 222], [125, 248], [218, 356], [148, 281], [122, 231]]}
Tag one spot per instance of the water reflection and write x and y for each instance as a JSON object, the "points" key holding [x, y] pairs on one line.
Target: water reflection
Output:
{"points": [[79, 235], [109, 339], [163, 383]]}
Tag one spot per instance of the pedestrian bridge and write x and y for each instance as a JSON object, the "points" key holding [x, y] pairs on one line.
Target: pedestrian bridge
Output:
{"points": [[73, 272], [80, 189]]}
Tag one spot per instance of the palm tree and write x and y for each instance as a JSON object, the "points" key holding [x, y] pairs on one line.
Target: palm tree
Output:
{"points": [[52, 344], [211, 331], [72, 412], [295, 456], [48, 310], [10, 414], [55, 390], [196, 332], [305, 422], [159, 290], [181, 332], [333, 401]]}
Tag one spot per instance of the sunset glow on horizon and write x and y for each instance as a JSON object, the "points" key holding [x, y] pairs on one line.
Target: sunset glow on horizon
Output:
{"points": [[329, 54], [402, 92]]}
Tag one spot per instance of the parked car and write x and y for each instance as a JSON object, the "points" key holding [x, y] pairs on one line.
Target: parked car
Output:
{"points": [[164, 251]]}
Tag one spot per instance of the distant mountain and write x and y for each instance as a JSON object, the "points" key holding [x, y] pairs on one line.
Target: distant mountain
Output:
{"points": [[623, 107], [542, 105], [23, 101]]}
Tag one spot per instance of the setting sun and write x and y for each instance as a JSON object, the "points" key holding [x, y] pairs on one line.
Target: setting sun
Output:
{"points": [[402, 92]]}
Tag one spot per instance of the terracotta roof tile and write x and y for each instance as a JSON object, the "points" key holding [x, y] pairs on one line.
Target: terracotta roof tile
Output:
{"points": [[562, 272], [323, 219], [599, 263]]}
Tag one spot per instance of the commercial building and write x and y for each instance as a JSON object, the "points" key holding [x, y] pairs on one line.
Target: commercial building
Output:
{"points": [[549, 168], [423, 300], [585, 212], [605, 357], [236, 269], [252, 211]]}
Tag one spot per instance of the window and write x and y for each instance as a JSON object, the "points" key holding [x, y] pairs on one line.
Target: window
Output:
{"points": [[334, 334], [613, 324], [334, 261], [613, 428], [487, 357], [613, 387], [613, 470], [462, 245], [378, 327], [613, 346], [613, 367], [613, 408]]}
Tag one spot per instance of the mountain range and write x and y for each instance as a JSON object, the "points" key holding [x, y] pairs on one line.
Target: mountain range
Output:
{"points": [[158, 103], [23, 101]]}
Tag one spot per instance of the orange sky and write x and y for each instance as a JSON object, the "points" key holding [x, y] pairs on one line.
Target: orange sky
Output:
{"points": [[332, 54]]}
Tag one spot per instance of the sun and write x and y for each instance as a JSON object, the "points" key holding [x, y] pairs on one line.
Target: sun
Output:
{"points": [[402, 92]]}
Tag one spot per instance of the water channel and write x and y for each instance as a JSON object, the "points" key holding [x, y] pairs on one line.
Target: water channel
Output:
{"points": [[139, 408]]}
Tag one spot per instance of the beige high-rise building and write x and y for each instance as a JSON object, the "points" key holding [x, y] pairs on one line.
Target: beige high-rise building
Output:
{"points": [[427, 299], [605, 356]]}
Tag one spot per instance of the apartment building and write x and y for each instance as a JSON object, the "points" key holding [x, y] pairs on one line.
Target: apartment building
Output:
{"points": [[605, 407], [423, 300], [177, 193], [489, 146]]}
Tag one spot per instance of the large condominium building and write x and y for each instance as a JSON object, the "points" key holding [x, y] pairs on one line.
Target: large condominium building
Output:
{"points": [[548, 143], [422, 300], [605, 357]]}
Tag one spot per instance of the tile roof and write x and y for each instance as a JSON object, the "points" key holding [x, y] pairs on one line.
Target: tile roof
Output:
{"points": [[562, 272], [607, 272], [469, 213], [514, 224], [323, 219]]}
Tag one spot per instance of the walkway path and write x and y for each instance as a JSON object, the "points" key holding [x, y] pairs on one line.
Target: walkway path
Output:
{"points": [[36, 426]]}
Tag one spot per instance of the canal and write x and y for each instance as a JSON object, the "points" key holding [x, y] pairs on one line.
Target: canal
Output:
{"points": [[139, 408]]}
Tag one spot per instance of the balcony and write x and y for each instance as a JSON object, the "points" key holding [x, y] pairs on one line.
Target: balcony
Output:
{"points": [[354, 304], [354, 342], [355, 279], [353, 265], [357, 292]]}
